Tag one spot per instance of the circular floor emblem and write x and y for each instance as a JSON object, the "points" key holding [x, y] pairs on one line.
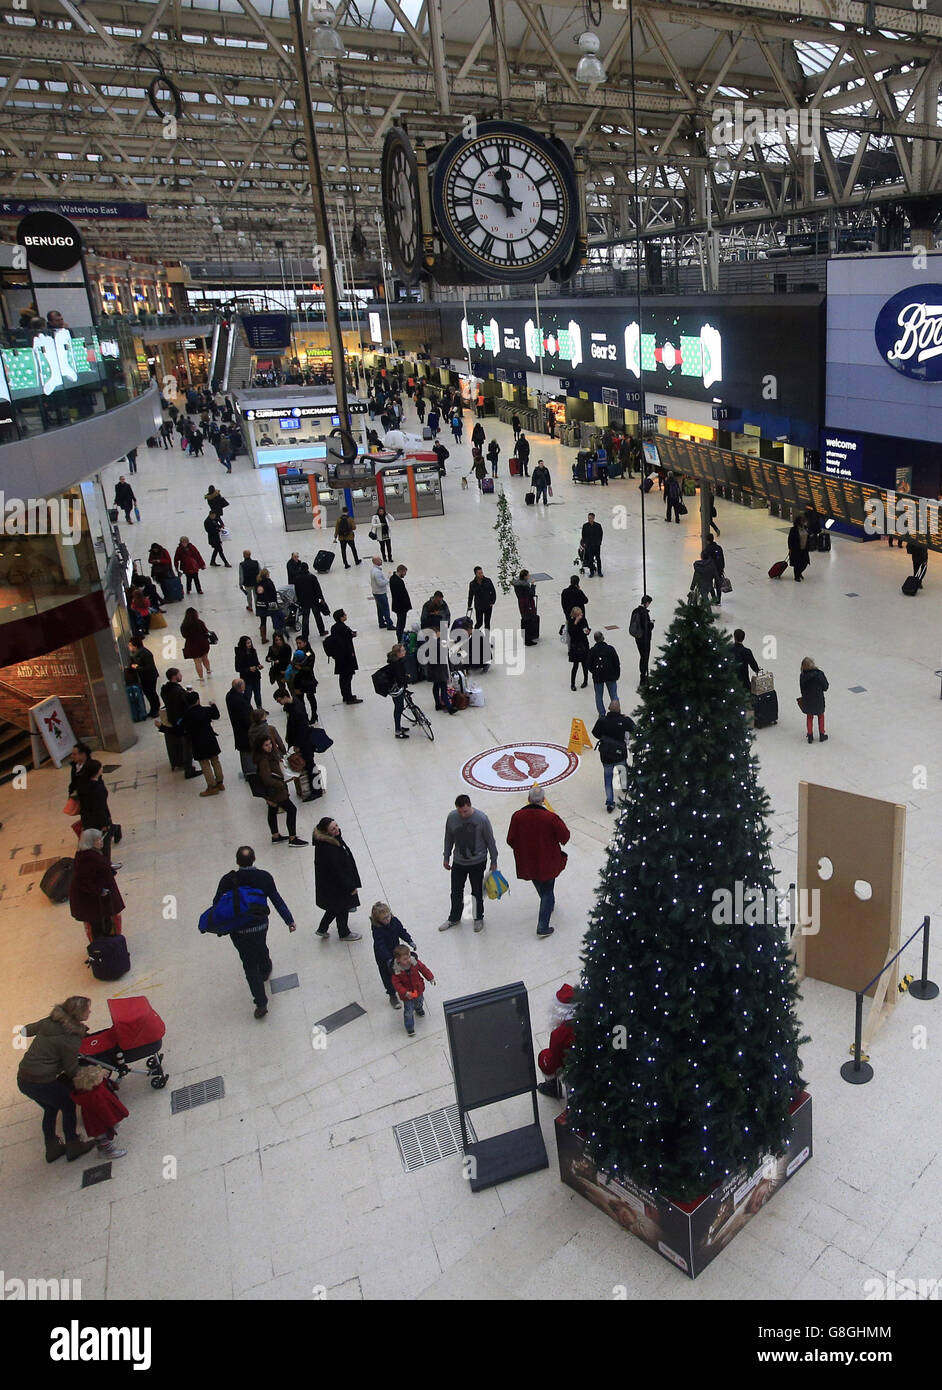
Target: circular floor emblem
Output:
{"points": [[514, 767]]}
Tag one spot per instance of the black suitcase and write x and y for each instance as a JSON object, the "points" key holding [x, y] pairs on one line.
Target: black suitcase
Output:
{"points": [[414, 672], [57, 880], [323, 561], [911, 586], [824, 540], [766, 708], [531, 629], [109, 957], [530, 499]]}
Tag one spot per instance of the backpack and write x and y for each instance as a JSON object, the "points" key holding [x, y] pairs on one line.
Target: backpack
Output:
{"points": [[242, 906], [598, 662], [330, 646], [344, 528], [611, 751], [636, 626]]}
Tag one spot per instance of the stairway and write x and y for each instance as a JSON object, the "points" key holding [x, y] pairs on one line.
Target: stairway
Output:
{"points": [[240, 364], [15, 750]]}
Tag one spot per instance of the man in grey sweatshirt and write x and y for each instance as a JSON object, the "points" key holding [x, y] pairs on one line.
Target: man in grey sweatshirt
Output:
{"points": [[470, 838]]}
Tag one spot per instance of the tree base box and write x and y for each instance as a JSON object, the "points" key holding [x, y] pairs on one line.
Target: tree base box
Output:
{"points": [[689, 1234]]}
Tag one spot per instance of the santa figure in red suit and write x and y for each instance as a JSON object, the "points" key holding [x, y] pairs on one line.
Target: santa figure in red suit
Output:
{"points": [[551, 1059]]}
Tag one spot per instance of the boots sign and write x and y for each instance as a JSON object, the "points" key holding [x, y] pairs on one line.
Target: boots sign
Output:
{"points": [[908, 332], [51, 241]]}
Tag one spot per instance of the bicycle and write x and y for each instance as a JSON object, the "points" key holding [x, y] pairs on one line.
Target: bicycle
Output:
{"points": [[415, 716]]}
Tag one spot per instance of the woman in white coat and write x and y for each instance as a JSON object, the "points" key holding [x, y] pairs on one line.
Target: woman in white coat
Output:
{"points": [[379, 531]]}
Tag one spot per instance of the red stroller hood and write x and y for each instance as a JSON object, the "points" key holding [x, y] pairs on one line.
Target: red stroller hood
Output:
{"points": [[135, 1023]]}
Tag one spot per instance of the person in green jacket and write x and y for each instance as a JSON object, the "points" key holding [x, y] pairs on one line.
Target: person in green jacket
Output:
{"points": [[47, 1069]]}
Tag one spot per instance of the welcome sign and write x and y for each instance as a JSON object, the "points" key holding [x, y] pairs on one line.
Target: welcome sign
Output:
{"points": [[908, 332]]}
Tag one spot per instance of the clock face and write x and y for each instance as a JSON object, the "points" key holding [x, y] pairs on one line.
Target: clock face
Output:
{"points": [[400, 184], [505, 202]]}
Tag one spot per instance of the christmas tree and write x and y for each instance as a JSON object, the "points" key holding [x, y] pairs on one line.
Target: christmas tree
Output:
{"points": [[508, 565], [685, 1059]]}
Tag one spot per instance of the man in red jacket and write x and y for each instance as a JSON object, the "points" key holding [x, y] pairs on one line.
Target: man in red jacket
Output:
{"points": [[536, 836]]}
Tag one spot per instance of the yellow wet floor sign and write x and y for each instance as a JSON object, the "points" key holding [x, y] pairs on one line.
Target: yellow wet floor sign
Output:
{"points": [[579, 737]]}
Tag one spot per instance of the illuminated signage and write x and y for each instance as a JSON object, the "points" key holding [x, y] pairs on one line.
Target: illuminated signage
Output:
{"points": [[908, 332], [307, 412]]}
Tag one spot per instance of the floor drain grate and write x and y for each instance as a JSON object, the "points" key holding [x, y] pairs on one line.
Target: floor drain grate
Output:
{"points": [[200, 1093], [100, 1172], [857, 689], [282, 983], [430, 1138], [345, 1015], [38, 866]]}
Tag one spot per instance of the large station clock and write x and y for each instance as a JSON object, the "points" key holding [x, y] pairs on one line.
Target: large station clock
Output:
{"points": [[401, 204], [505, 201]]}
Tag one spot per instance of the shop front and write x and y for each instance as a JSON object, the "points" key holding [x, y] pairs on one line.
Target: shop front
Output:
{"points": [[883, 412], [289, 426]]}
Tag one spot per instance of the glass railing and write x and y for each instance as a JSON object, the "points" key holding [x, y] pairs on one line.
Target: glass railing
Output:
{"points": [[53, 565], [51, 377]]}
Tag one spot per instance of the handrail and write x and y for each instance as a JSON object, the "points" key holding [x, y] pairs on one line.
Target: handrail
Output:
{"points": [[21, 695]]}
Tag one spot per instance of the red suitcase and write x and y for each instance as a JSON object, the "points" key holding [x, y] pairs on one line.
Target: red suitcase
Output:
{"points": [[778, 569], [515, 469]]}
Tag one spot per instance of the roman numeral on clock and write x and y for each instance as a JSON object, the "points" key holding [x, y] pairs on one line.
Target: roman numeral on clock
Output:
{"points": [[468, 224], [487, 245], [546, 227]]}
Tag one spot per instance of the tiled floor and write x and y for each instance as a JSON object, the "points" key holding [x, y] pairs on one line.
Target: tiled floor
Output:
{"points": [[293, 1180]]}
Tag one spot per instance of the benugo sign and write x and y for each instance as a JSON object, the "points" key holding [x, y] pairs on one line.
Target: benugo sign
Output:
{"points": [[908, 332]]}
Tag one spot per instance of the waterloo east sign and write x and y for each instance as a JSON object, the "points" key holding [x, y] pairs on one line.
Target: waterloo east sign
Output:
{"points": [[908, 332]]}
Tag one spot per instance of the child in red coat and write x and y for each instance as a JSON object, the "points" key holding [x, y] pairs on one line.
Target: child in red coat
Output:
{"points": [[94, 1093], [551, 1059], [406, 975]]}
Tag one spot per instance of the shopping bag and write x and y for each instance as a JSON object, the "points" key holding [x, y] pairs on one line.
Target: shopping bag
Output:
{"points": [[495, 885], [137, 513], [71, 807], [157, 620]]}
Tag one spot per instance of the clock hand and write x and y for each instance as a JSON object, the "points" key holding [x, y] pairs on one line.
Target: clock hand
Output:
{"points": [[510, 205]]}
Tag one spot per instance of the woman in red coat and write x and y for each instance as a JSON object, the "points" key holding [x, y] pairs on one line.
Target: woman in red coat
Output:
{"points": [[93, 892], [189, 562], [196, 642]]}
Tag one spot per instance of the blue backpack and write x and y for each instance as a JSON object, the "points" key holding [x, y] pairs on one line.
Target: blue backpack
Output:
{"points": [[241, 907]]}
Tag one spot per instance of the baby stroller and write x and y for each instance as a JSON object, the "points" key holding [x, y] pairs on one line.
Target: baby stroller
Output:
{"points": [[459, 640], [136, 1032], [288, 609], [580, 559]]}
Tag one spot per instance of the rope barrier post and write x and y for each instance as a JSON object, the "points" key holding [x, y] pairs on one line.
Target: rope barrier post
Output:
{"points": [[857, 1072], [924, 988]]}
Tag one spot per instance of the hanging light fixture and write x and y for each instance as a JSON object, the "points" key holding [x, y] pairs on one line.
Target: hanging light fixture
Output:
{"points": [[325, 41], [590, 69]]}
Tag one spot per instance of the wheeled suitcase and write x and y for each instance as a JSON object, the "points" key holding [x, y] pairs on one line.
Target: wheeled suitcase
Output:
{"points": [[138, 703], [778, 569], [530, 499], [515, 469], [487, 484], [765, 708], [173, 588], [911, 585], [323, 561], [109, 957], [57, 880], [531, 629], [824, 541], [427, 433]]}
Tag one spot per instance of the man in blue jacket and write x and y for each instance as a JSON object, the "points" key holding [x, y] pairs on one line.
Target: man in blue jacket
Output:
{"points": [[252, 942]]}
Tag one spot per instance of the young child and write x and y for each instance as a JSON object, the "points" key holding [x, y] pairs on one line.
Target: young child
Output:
{"points": [[388, 932], [94, 1093], [407, 978]]}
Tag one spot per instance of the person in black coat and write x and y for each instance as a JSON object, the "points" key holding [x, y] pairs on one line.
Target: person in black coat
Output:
{"points": [[266, 602], [493, 454], [577, 632], [173, 695], [813, 685], [293, 566], [673, 497], [310, 599], [388, 933], [239, 709], [523, 454], [124, 497], [481, 597], [87, 787], [214, 527], [144, 667], [798, 546], [572, 597], [336, 880], [640, 627], [592, 545], [248, 577], [343, 654], [606, 670], [278, 658], [612, 732], [248, 665], [198, 727], [303, 682], [298, 728], [399, 600], [477, 435], [743, 657]]}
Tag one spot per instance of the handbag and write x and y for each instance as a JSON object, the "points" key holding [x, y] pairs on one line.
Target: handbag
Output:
{"points": [[157, 620], [213, 639], [372, 535], [71, 807], [495, 885], [801, 704], [320, 741], [726, 585]]}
